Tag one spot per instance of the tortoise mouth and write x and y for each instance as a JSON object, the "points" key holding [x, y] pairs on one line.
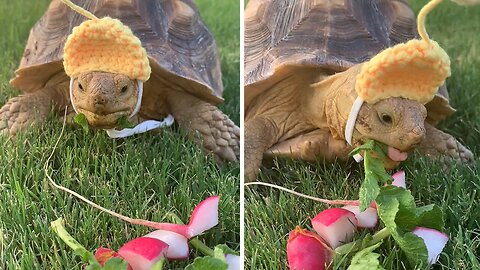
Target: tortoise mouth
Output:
{"points": [[103, 120], [394, 154]]}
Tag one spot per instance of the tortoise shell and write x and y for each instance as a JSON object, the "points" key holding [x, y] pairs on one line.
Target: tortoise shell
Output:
{"points": [[179, 46], [284, 36]]}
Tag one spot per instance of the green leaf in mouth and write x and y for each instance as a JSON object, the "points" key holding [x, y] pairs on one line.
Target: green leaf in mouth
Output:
{"points": [[124, 123], [81, 120]]}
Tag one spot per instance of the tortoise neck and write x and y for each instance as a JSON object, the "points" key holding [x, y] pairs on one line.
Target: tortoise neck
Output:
{"points": [[340, 98], [60, 82]]}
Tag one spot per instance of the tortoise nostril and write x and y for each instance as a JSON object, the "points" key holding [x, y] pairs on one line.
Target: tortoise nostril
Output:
{"points": [[417, 134], [100, 101]]}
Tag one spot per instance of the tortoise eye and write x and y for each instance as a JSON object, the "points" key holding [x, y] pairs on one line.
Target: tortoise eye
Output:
{"points": [[387, 119], [124, 89], [80, 86]]}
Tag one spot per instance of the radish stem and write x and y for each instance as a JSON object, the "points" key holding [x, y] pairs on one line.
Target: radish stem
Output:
{"points": [[159, 265], [57, 227], [155, 225], [355, 245], [195, 242]]}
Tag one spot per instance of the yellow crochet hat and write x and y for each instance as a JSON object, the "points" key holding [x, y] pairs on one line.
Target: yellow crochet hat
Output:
{"points": [[413, 70], [104, 44]]}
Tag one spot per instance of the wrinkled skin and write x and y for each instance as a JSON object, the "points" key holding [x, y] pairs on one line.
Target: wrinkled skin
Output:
{"points": [[304, 117], [396, 122]]}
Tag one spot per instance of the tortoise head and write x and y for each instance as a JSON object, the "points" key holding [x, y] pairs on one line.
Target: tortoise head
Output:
{"points": [[104, 97], [396, 122]]}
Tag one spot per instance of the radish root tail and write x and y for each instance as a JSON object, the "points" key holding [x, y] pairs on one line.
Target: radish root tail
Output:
{"points": [[143, 222], [325, 201]]}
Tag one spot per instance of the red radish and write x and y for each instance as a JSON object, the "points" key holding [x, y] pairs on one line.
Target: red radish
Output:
{"points": [[366, 219], [233, 262], [399, 179], [434, 240], [104, 254], [142, 253], [307, 251], [177, 244], [335, 225], [204, 216]]}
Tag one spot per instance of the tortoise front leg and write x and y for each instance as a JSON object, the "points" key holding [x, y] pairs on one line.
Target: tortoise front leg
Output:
{"points": [[439, 144], [312, 145], [33, 108], [260, 134], [208, 126]]}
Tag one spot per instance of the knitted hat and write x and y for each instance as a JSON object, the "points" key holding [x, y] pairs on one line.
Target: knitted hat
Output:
{"points": [[104, 44], [108, 45], [413, 70]]}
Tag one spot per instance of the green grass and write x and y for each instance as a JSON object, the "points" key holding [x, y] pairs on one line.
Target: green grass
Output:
{"points": [[143, 176], [270, 215]]}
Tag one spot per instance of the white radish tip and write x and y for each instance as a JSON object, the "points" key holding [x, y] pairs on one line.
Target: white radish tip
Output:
{"points": [[204, 216], [142, 253], [434, 240], [177, 244], [399, 179], [335, 225], [233, 262], [366, 219]]}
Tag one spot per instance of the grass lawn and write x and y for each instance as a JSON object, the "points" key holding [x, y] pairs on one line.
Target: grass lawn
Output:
{"points": [[270, 214], [144, 176]]}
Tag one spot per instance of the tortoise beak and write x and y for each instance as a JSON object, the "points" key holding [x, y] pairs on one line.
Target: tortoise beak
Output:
{"points": [[103, 120]]}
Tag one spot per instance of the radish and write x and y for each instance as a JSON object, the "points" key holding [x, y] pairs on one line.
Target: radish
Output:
{"points": [[366, 219], [204, 216], [307, 251], [233, 262], [177, 244], [399, 179], [335, 225], [142, 253], [434, 240]]}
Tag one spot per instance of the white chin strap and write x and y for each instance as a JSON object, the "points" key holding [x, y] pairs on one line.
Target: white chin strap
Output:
{"points": [[352, 118], [140, 128]]}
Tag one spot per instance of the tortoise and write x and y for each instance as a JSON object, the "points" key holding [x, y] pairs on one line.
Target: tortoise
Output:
{"points": [[185, 79], [302, 58]]}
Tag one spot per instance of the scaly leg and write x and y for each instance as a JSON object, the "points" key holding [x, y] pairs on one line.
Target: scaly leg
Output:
{"points": [[313, 145], [33, 108], [206, 125], [438, 144], [260, 134]]}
